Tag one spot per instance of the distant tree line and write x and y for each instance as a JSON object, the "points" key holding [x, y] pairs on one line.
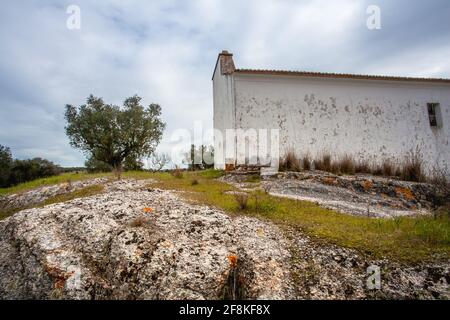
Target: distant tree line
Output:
{"points": [[15, 171]]}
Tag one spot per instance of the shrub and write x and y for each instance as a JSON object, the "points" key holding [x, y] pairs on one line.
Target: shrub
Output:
{"points": [[27, 170]]}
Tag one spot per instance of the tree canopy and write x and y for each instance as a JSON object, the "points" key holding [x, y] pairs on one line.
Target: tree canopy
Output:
{"points": [[110, 133]]}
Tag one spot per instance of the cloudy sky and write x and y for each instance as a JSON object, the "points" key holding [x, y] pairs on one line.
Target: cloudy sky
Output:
{"points": [[165, 52]]}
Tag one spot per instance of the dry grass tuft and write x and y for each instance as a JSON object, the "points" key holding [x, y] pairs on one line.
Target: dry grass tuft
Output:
{"points": [[241, 200], [388, 168], [347, 165], [363, 167], [139, 222], [307, 162], [412, 168], [177, 173], [290, 162], [324, 163]]}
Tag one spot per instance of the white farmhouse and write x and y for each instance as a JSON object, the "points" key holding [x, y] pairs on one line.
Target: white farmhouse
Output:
{"points": [[371, 118]]}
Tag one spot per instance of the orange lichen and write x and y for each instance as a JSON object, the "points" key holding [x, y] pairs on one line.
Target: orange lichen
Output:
{"points": [[405, 193], [329, 181], [148, 210], [232, 259], [367, 185], [59, 276]]}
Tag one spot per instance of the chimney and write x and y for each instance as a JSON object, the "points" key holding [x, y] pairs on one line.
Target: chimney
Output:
{"points": [[226, 62]]}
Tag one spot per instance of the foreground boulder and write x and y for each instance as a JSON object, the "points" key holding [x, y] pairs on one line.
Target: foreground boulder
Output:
{"points": [[133, 242]]}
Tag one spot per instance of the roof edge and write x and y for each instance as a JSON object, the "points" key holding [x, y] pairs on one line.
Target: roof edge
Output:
{"points": [[340, 75]]}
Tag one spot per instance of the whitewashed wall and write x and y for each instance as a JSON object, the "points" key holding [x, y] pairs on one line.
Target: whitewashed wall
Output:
{"points": [[224, 111], [370, 120]]}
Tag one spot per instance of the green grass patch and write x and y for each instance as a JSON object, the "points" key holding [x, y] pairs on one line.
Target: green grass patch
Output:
{"points": [[405, 239], [62, 178], [80, 193]]}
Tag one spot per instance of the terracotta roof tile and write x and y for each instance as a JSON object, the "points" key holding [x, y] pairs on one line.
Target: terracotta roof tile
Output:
{"points": [[339, 75]]}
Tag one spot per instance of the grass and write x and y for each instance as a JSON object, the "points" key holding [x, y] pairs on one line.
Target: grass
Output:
{"points": [[62, 178], [410, 169], [80, 193], [405, 239]]}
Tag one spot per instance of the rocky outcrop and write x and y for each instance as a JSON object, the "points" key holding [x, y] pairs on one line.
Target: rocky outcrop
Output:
{"points": [[361, 195], [325, 271], [39, 195], [135, 242]]}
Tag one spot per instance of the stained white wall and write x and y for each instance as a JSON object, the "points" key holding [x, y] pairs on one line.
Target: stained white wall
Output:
{"points": [[223, 116], [370, 120]]}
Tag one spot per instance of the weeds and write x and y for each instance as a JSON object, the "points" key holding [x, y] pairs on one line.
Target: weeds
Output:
{"points": [[411, 169], [241, 199], [177, 173], [347, 165], [139, 222], [307, 163], [388, 168], [407, 239], [323, 163]]}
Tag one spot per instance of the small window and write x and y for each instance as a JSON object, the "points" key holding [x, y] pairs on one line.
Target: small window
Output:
{"points": [[434, 114]]}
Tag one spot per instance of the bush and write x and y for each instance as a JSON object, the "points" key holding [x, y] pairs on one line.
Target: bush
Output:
{"points": [[27, 170]]}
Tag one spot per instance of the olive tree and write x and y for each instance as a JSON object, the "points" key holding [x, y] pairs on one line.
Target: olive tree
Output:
{"points": [[111, 134]]}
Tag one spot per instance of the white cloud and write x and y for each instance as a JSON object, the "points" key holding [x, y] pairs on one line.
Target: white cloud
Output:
{"points": [[165, 52]]}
